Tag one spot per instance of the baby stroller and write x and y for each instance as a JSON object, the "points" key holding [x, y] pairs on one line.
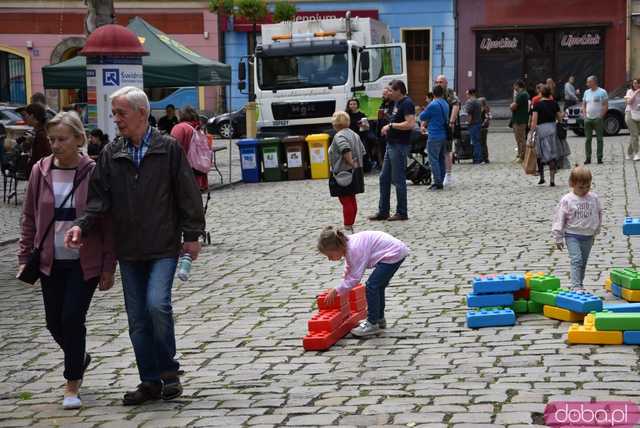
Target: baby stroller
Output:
{"points": [[463, 150], [418, 170]]}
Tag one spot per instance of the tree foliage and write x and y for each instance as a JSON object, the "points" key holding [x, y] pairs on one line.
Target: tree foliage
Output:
{"points": [[284, 11]]}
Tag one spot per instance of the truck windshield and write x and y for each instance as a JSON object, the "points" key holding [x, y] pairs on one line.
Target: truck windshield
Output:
{"points": [[302, 71]]}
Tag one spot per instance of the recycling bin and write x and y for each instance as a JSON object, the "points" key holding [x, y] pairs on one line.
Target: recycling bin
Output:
{"points": [[297, 157], [319, 155], [272, 159], [249, 160]]}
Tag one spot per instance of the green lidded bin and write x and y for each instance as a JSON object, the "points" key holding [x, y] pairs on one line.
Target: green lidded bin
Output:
{"points": [[272, 159]]}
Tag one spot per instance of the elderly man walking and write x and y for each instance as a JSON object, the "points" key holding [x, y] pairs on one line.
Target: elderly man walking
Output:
{"points": [[144, 182], [595, 104]]}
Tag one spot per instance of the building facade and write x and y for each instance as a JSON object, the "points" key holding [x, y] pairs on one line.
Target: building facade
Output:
{"points": [[37, 33], [427, 27], [500, 41]]}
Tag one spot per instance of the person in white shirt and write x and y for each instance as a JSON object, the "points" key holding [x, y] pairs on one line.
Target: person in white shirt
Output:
{"points": [[595, 104], [577, 220], [632, 119], [570, 92]]}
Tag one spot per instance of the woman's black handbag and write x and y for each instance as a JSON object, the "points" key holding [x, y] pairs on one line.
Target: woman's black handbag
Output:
{"points": [[356, 186], [561, 131], [31, 272]]}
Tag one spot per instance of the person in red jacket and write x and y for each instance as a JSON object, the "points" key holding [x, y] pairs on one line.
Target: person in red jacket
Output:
{"points": [[68, 277], [183, 131]]}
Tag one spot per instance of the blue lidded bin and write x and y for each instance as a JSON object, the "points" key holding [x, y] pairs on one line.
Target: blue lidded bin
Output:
{"points": [[249, 160]]}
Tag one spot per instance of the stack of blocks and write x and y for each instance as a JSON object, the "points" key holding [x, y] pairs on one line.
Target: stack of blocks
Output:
{"points": [[562, 304], [618, 324], [332, 322], [624, 284], [492, 300]]}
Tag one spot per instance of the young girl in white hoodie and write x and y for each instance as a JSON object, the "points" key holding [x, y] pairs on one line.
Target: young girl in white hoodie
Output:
{"points": [[577, 220]]}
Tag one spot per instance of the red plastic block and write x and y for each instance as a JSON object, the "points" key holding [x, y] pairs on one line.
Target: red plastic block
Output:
{"points": [[525, 293], [357, 293], [324, 340], [339, 302], [327, 320], [358, 305]]}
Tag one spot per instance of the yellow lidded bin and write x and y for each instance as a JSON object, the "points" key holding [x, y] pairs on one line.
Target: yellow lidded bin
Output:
{"points": [[319, 155]]}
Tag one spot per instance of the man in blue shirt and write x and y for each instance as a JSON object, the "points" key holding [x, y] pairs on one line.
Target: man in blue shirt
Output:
{"points": [[398, 134], [435, 116]]}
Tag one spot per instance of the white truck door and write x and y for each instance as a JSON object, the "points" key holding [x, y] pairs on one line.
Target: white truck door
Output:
{"points": [[385, 63]]}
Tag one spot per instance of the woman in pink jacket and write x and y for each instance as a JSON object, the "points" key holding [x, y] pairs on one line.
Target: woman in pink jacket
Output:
{"points": [[56, 195]]}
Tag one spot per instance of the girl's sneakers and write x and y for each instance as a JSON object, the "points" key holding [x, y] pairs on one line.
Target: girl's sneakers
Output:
{"points": [[71, 402], [366, 329]]}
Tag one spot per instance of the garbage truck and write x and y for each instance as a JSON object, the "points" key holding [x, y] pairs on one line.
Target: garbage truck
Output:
{"points": [[304, 71]]}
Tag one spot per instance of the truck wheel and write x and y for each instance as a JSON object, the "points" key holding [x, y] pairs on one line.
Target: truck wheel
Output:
{"points": [[225, 129]]}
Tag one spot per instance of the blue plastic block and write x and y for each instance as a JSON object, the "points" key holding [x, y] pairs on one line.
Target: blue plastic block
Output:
{"points": [[621, 307], [631, 337], [579, 302], [498, 284], [486, 300], [616, 290], [631, 226], [490, 318]]}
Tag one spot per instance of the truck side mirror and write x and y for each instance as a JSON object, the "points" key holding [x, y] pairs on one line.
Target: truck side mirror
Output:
{"points": [[242, 72], [242, 85], [364, 66]]}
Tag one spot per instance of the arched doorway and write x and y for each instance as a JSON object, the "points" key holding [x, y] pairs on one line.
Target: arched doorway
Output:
{"points": [[66, 49], [15, 75]]}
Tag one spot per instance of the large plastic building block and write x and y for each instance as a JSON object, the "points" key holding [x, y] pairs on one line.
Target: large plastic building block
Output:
{"points": [[328, 320], [630, 295], [544, 283], [617, 321], [631, 226], [357, 298], [621, 307], [546, 297], [340, 302], [562, 314], [579, 302], [534, 307], [490, 318], [489, 300], [627, 278], [631, 337], [520, 306], [497, 284], [607, 284], [525, 294], [588, 335], [616, 290], [529, 275], [320, 341]]}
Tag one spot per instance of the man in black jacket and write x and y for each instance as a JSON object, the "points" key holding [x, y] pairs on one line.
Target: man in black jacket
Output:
{"points": [[144, 182]]}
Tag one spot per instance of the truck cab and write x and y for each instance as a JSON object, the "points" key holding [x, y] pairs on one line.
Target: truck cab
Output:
{"points": [[306, 71]]}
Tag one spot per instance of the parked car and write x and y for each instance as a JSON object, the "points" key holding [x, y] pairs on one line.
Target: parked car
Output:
{"points": [[9, 115], [228, 125], [613, 120]]}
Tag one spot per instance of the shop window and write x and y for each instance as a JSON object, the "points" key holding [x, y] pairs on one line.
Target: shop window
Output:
{"points": [[538, 43], [13, 78]]}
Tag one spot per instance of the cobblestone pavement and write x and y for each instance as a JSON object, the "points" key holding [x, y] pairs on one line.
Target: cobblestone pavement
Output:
{"points": [[241, 318]]}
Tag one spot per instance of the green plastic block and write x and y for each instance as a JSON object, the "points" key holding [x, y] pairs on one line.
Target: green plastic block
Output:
{"points": [[544, 283], [520, 306], [626, 277], [546, 297], [617, 321], [534, 307], [488, 308]]}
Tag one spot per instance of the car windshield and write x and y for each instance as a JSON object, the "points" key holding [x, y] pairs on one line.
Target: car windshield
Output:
{"points": [[302, 71]]}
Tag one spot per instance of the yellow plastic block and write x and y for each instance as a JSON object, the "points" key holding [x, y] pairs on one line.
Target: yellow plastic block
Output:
{"points": [[579, 334], [607, 284], [529, 275], [631, 295], [561, 314]]}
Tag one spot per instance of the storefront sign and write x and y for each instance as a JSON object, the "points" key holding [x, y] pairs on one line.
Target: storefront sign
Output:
{"points": [[581, 39], [496, 43], [488, 43], [242, 25]]}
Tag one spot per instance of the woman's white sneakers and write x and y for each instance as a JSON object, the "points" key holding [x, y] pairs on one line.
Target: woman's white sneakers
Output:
{"points": [[72, 402]]}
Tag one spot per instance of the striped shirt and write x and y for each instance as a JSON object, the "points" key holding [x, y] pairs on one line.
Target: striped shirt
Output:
{"points": [[64, 216], [137, 153]]}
